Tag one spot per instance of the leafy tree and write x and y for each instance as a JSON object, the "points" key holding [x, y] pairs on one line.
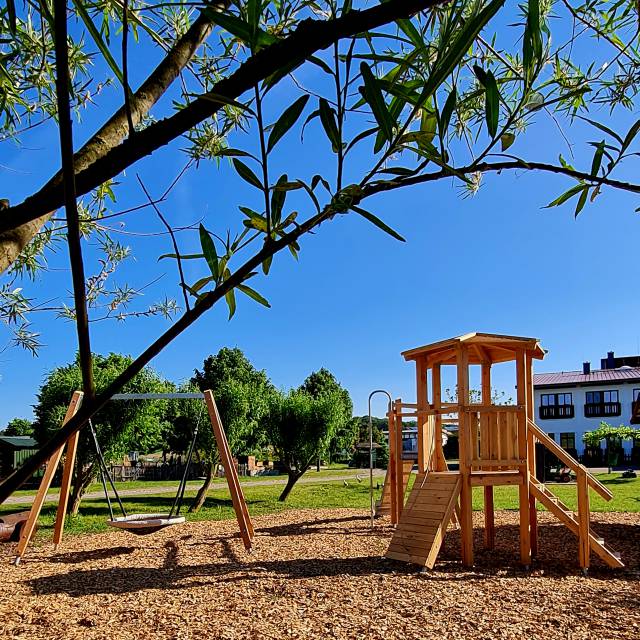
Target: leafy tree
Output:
{"points": [[612, 436], [121, 426], [378, 425], [323, 382], [19, 427], [432, 89], [299, 427], [241, 393]]}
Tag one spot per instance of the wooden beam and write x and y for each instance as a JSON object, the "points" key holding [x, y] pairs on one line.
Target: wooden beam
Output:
{"points": [[399, 486], [466, 514], [231, 473], [29, 527], [394, 465], [424, 446], [583, 519], [65, 487], [489, 514], [531, 454], [523, 489]]}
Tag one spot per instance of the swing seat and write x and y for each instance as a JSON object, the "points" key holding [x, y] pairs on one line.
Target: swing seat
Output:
{"points": [[142, 524]]}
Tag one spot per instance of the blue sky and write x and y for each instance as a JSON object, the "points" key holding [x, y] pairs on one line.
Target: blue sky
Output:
{"points": [[497, 262]]}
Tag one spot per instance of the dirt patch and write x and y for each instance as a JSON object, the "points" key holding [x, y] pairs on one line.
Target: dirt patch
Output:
{"points": [[316, 574]]}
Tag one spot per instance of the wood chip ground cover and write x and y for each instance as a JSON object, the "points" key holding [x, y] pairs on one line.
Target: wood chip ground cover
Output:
{"points": [[318, 574]]}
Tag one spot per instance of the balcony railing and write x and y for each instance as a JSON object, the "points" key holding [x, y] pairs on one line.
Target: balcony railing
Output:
{"points": [[602, 409], [556, 411]]}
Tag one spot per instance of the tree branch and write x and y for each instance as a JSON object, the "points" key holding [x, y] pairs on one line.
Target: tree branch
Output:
{"points": [[17, 231], [310, 36], [65, 128]]}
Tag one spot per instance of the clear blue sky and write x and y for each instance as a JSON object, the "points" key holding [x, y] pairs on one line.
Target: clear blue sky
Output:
{"points": [[497, 262]]}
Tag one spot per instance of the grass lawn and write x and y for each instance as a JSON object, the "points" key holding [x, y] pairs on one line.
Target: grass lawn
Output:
{"points": [[321, 495]]}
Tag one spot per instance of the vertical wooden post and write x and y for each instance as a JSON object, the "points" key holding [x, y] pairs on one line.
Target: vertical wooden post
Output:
{"points": [[583, 518], [424, 446], [489, 517], [65, 487], [29, 526], [525, 530], [436, 383], [466, 506], [230, 472], [399, 460], [531, 455], [395, 469]]}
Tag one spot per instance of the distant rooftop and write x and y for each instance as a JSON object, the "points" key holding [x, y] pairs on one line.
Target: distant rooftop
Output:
{"points": [[19, 442], [599, 376]]}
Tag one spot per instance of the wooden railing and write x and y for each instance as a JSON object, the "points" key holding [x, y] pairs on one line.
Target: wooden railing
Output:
{"points": [[569, 461], [494, 436]]}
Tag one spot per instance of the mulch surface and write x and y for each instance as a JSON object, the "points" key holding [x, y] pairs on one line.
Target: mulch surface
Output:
{"points": [[318, 574]]}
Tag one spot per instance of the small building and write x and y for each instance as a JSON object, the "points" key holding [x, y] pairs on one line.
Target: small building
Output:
{"points": [[569, 403], [14, 450]]}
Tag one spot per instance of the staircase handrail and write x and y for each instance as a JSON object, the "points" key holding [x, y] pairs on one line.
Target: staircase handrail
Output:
{"points": [[570, 461]]}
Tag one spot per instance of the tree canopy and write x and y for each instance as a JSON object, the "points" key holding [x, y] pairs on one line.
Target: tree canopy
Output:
{"points": [[431, 89], [18, 427]]}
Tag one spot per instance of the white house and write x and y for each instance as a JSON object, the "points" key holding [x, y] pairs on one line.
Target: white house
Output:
{"points": [[568, 403]]}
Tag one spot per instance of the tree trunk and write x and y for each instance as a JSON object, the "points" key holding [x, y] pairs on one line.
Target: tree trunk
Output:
{"points": [[81, 481], [201, 496], [294, 476]]}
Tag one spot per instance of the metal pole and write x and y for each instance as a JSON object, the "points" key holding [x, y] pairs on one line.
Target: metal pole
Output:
{"points": [[371, 499]]}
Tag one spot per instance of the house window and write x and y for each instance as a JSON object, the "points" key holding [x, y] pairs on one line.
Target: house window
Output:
{"points": [[600, 404], [636, 394], [556, 405], [568, 441]]}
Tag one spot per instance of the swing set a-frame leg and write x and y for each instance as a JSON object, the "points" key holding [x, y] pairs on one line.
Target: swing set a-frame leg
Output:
{"points": [[29, 527], [231, 473]]}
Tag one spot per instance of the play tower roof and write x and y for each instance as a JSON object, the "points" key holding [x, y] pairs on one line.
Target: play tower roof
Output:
{"points": [[484, 348]]}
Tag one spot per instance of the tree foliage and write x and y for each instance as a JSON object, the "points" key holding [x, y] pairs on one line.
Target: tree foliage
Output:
{"points": [[122, 426], [397, 94], [18, 427], [299, 427], [613, 436]]}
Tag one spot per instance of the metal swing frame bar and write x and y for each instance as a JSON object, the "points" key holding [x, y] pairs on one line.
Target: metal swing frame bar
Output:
{"points": [[226, 458]]}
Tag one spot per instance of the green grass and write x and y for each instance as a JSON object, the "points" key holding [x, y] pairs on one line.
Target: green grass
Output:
{"points": [[333, 470], [322, 495]]}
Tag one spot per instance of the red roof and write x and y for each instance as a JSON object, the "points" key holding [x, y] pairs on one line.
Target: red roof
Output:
{"points": [[598, 376]]}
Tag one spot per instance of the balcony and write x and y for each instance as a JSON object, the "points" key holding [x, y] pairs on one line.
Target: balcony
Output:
{"points": [[556, 411], [602, 409]]}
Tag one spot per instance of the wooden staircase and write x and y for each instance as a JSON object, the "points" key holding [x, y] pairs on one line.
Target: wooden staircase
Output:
{"points": [[570, 520], [425, 517], [383, 508]]}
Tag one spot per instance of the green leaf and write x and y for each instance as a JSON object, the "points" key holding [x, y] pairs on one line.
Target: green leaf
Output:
{"points": [[278, 197], [566, 195], [252, 293], [256, 221], [209, 250], [581, 201], [373, 95], [218, 98], [286, 121], [628, 139], [597, 159], [186, 256], [266, 265], [236, 26], [602, 127], [428, 122], [492, 98], [328, 120], [98, 39], [447, 111], [230, 298], [246, 173], [506, 140], [381, 225]]}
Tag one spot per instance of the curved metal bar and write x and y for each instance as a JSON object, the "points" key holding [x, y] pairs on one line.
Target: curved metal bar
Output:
{"points": [[371, 499]]}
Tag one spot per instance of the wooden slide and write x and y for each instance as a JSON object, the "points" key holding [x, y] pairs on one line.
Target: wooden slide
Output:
{"points": [[425, 517], [383, 508]]}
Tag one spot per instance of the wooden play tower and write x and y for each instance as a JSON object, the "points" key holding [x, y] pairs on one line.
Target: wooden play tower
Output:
{"points": [[497, 446]]}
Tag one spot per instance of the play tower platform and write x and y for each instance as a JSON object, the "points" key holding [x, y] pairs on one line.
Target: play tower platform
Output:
{"points": [[497, 447]]}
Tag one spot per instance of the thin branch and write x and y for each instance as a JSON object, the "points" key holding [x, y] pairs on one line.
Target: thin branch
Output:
{"points": [[173, 240], [125, 66], [65, 128]]}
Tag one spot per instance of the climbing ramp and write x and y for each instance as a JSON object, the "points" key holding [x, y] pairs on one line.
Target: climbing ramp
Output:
{"points": [[383, 508], [425, 517]]}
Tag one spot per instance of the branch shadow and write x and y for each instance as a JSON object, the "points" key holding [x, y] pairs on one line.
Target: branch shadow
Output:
{"points": [[76, 557]]}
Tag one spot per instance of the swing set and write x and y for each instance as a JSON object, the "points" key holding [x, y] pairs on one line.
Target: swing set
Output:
{"points": [[137, 523]]}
